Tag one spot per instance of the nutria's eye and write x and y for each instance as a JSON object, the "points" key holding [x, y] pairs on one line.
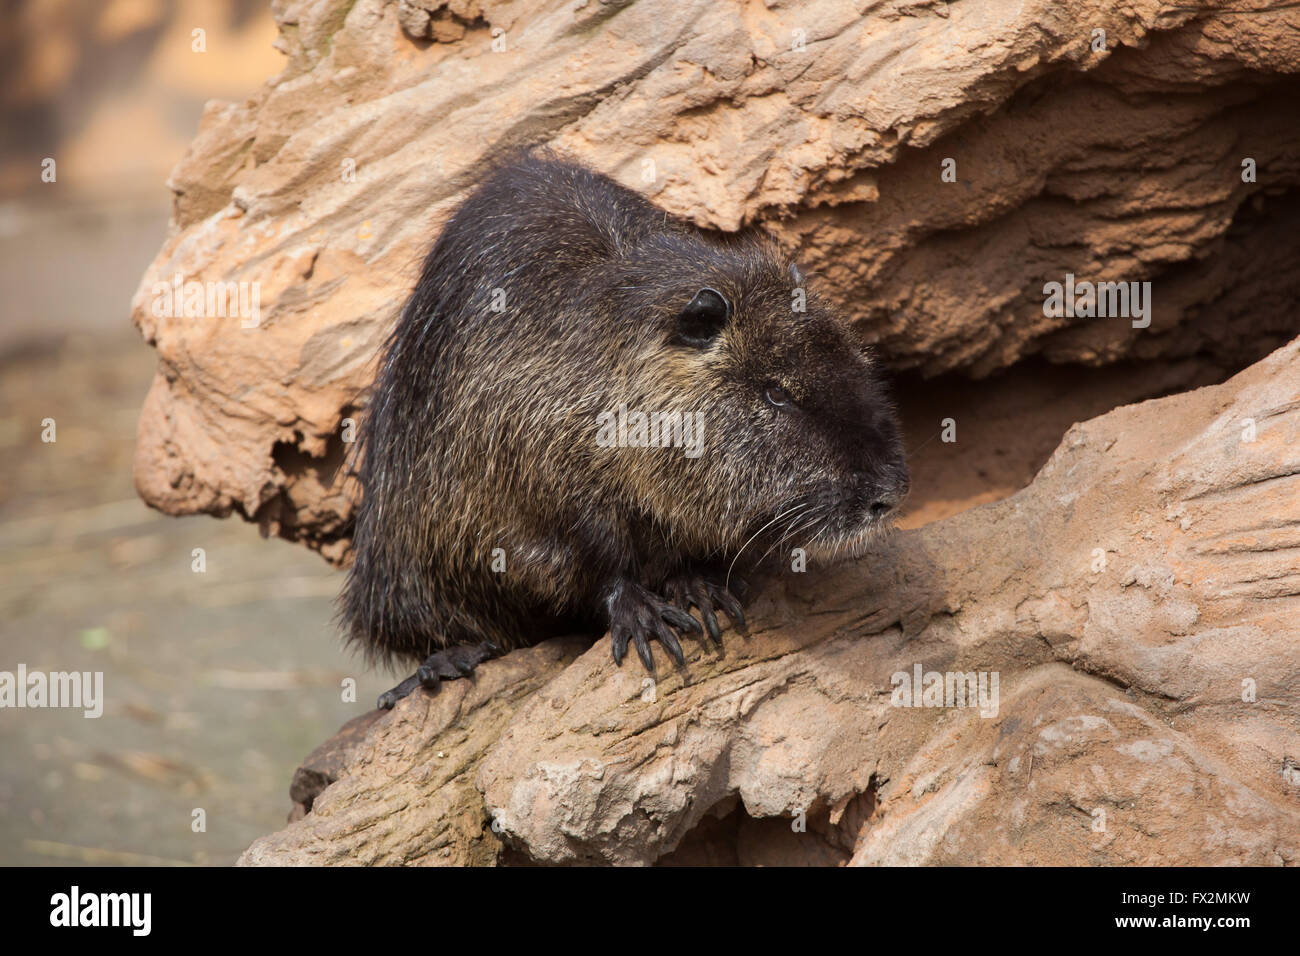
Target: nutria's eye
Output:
{"points": [[777, 396], [702, 319]]}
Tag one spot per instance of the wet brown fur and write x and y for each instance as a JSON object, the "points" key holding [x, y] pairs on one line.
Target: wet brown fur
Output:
{"points": [[481, 429]]}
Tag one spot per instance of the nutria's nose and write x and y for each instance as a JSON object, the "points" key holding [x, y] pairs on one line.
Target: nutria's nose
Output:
{"points": [[884, 504], [887, 499]]}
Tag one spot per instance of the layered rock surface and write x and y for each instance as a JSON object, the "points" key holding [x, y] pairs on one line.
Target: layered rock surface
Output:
{"points": [[1137, 602], [1115, 158], [1137, 606]]}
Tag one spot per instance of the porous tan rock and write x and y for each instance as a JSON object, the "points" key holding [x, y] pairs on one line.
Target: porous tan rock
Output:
{"points": [[1116, 158], [1137, 603]]}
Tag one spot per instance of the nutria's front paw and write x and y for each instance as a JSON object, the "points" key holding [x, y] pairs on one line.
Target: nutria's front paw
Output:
{"points": [[637, 615], [696, 590]]}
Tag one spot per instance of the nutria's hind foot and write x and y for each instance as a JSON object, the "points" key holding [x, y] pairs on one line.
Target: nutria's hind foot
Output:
{"points": [[639, 616], [389, 698], [697, 590], [459, 660]]}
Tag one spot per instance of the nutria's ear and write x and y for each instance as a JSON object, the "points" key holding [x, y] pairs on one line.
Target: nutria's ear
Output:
{"points": [[702, 319]]}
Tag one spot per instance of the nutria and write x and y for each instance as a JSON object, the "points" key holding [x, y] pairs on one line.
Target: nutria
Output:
{"points": [[587, 411]]}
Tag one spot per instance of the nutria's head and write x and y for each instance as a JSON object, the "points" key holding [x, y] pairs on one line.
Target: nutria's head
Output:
{"points": [[797, 445]]}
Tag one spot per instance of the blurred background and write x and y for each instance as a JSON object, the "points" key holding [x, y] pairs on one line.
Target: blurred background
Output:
{"points": [[217, 684]]}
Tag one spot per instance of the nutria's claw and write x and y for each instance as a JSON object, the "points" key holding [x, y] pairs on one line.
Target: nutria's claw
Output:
{"points": [[636, 616], [694, 590], [459, 660], [729, 604]]}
